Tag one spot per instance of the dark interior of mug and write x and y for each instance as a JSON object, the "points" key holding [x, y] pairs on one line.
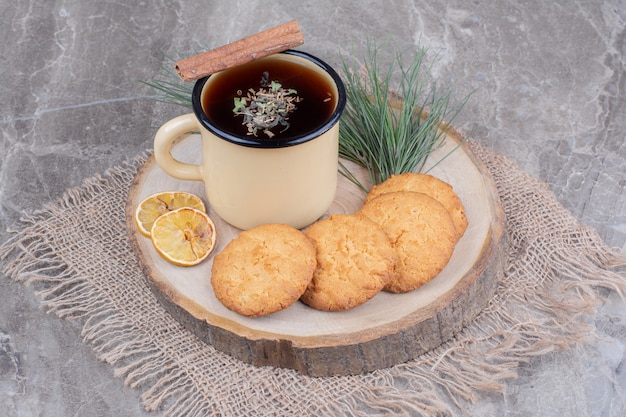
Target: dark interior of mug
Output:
{"points": [[319, 88]]}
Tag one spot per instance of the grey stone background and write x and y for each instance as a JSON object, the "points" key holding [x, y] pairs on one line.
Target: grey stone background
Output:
{"points": [[550, 85]]}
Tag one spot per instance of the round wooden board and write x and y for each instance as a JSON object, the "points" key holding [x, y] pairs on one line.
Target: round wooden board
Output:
{"points": [[387, 330]]}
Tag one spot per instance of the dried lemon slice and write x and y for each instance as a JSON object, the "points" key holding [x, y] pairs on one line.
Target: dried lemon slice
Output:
{"points": [[158, 204], [184, 237]]}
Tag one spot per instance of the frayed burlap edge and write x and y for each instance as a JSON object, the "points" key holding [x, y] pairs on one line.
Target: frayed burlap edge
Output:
{"points": [[76, 254]]}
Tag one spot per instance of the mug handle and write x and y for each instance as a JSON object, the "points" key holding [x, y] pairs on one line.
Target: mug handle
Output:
{"points": [[163, 140]]}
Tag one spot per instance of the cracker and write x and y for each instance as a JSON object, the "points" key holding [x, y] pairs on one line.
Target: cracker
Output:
{"points": [[355, 260], [263, 270]]}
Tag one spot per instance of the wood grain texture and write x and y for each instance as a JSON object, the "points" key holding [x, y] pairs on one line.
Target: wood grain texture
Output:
{"points": [[387, 330]]}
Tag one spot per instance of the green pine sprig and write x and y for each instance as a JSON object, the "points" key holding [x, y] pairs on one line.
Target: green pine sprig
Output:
{"points": [[391, 128], [171, 88]]}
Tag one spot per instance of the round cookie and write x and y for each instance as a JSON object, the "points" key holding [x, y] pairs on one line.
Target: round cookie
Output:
{"points": [[263, 270], [421, 231], [429, 185], [355, 260]]}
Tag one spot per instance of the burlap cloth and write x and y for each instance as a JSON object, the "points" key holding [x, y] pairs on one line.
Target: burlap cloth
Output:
{"points": [[76, 254]]}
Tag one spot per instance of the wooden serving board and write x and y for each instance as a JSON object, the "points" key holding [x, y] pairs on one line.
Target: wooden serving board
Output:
{"points": [[387, 330]]}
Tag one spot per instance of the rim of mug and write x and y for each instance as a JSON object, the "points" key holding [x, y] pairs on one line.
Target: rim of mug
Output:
{"points": [[268, 143]]}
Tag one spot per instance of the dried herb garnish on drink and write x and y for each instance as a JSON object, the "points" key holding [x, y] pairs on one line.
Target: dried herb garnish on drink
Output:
{"points": [[267, 107]]}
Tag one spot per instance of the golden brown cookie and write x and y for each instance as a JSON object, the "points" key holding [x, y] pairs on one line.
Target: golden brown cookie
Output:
{"points": [[421, 231], [429, 185], [263, 270], [355, 260]]}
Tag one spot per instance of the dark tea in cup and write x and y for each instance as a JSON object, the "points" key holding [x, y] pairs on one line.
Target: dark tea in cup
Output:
{"points": [[317, 96]]}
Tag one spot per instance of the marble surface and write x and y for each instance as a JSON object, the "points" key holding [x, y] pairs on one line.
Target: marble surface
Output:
{"points": [[550, 85]]}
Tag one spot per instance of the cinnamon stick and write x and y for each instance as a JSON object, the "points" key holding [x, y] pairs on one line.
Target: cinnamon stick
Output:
{"points": [[259, 45]]}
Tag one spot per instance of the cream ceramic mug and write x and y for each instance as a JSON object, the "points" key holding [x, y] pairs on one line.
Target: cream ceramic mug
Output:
{"points": [[250, 180]]}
